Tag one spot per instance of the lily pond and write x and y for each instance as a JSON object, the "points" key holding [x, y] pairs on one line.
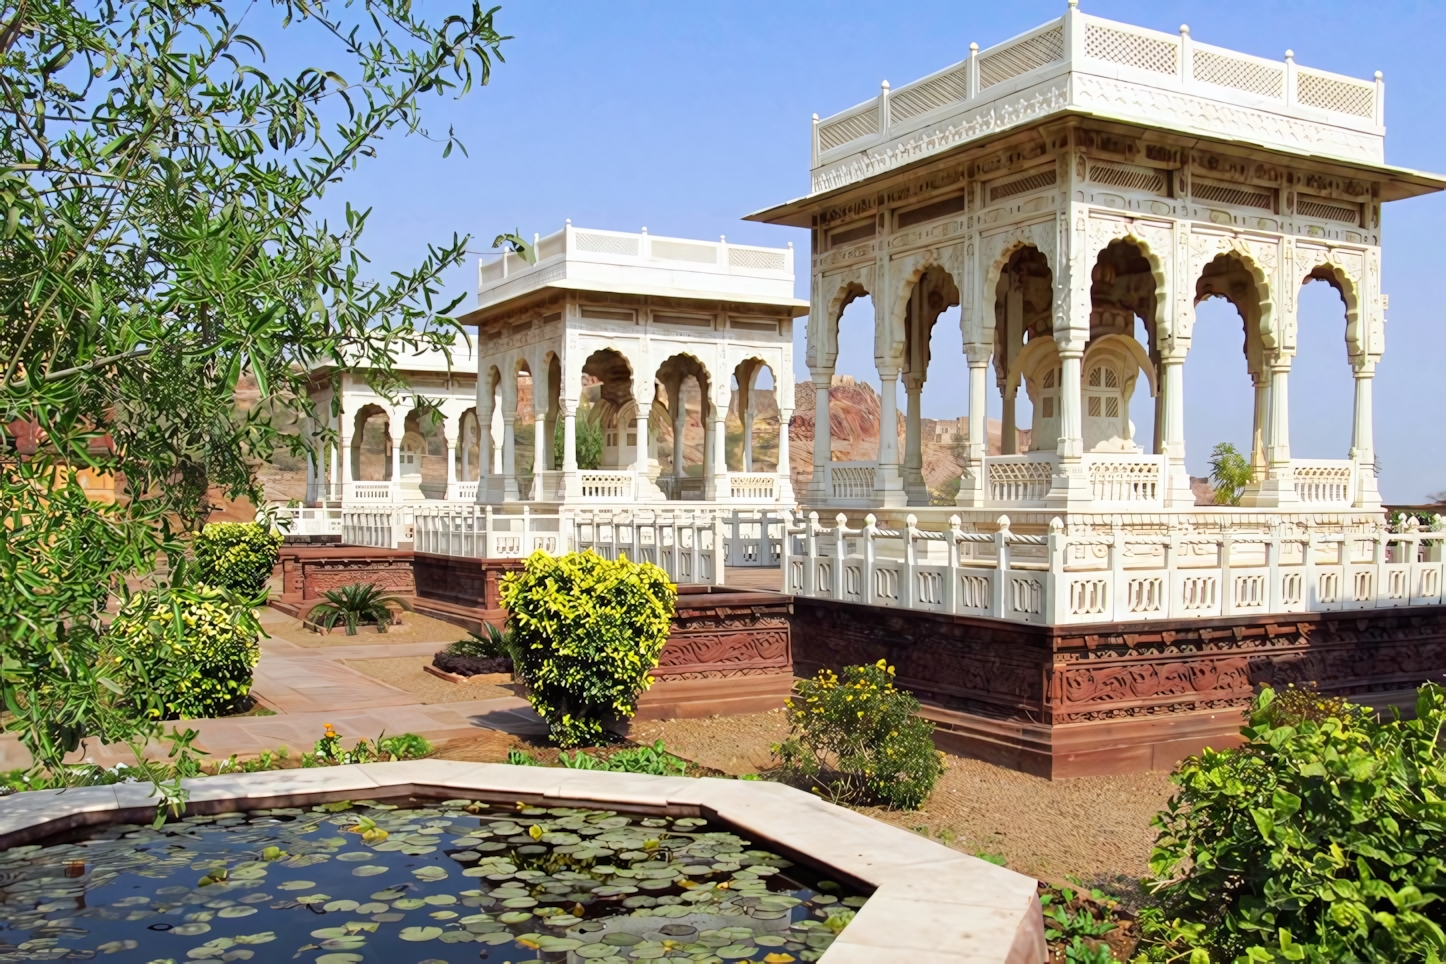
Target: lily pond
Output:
{"points": [[420, 881]]}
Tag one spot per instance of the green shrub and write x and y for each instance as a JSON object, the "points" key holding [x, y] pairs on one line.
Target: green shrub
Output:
{"points": [[183, 651], [1321, 839], [239, 556], [586, 634], [859, 741], [491, 643], [653, 760], [351, 605], [328, 750]]}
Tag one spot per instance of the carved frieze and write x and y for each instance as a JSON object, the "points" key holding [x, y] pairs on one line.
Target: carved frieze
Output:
{"points": [[1027, 105]]}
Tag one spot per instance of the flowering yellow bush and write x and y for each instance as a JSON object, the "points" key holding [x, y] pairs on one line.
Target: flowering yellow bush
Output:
{"points": [[181, 652], [239, 556], [586, 633], [858, 739]]}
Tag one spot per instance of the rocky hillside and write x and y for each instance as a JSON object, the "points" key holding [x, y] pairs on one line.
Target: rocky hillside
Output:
{"points": [[854, 425]]}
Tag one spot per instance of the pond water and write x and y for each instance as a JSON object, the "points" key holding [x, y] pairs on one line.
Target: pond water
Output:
{"points": [[415, 882]]}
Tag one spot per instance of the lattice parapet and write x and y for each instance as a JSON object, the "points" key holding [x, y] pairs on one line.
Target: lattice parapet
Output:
{"points": [[1084, 62]]}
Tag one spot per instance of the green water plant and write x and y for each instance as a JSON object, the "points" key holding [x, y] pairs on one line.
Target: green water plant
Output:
{"points": [[1320, 839], [586, 634], [239, 556], [353, 605], [858, 740]]}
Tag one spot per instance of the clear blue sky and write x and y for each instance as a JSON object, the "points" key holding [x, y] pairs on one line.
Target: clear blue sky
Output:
{"points": [[685, 116]]}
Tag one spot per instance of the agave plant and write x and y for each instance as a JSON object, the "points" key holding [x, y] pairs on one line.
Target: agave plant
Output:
{"points": [[354, 604]]}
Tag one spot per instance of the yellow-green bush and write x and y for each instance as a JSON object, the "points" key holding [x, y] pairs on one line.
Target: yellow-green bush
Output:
{"points": [[586, 633], [236, 555], [183, 651], [858, 739]]}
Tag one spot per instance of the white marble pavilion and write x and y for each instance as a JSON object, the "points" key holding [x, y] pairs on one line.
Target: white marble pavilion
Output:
{"points": [[1076, 191]]}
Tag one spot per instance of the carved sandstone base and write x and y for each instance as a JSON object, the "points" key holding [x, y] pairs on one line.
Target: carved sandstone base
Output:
{"points": [[1118, 698]]}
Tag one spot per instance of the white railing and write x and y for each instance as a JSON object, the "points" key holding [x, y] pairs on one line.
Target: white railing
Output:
{"points": [[1324, 482], [478, 531], [684, 544], [1120, 575], [1104, 48], [606, 485], [376, 527], [850, 481], [371, 492], [578, 244], [1131, 479], [464, 491], [305, 520], [681, 543], [753, 486], [753, 539], [1019, 480]]}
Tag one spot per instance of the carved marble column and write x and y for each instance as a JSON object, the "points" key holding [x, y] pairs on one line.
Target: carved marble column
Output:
{"points": [[914, 485], [888, 482], [785, 471], [972, 483], [1172, 428], [822, 436], [509, 458], [1363, 451], [541, 442]]}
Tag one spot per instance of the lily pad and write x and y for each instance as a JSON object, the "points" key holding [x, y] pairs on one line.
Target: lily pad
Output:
{"points": [[296, 885], [418, 934], [368, 870]]}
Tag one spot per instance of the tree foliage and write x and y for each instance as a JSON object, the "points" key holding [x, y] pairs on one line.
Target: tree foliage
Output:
{"points": [[1318, 840], [1230, 472], [183, 652], [159, 184], [586, 634]]}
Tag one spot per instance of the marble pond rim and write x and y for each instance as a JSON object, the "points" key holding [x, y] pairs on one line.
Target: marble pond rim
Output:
{"points": [[518, 856]]}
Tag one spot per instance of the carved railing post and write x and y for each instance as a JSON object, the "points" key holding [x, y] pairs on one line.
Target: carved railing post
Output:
{"points": [[1001, 563], [1058, 550], [867, 572], [951, 588]]}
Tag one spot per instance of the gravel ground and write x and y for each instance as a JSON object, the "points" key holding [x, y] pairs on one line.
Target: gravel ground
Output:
{"points": [[405, 672], [1094, 828], [415, 628], [734, 744]]}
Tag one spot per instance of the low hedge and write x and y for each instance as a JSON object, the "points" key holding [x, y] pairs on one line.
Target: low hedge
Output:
{"points": [[239, 556], [188, 651], [586, 633]]}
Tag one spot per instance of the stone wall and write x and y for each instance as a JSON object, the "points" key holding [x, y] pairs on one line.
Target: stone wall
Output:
{"points": [[1070, 701], [728, 652]]}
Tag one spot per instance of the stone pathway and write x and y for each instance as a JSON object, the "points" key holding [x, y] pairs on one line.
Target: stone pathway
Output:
{"points": [[310, 686]]}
